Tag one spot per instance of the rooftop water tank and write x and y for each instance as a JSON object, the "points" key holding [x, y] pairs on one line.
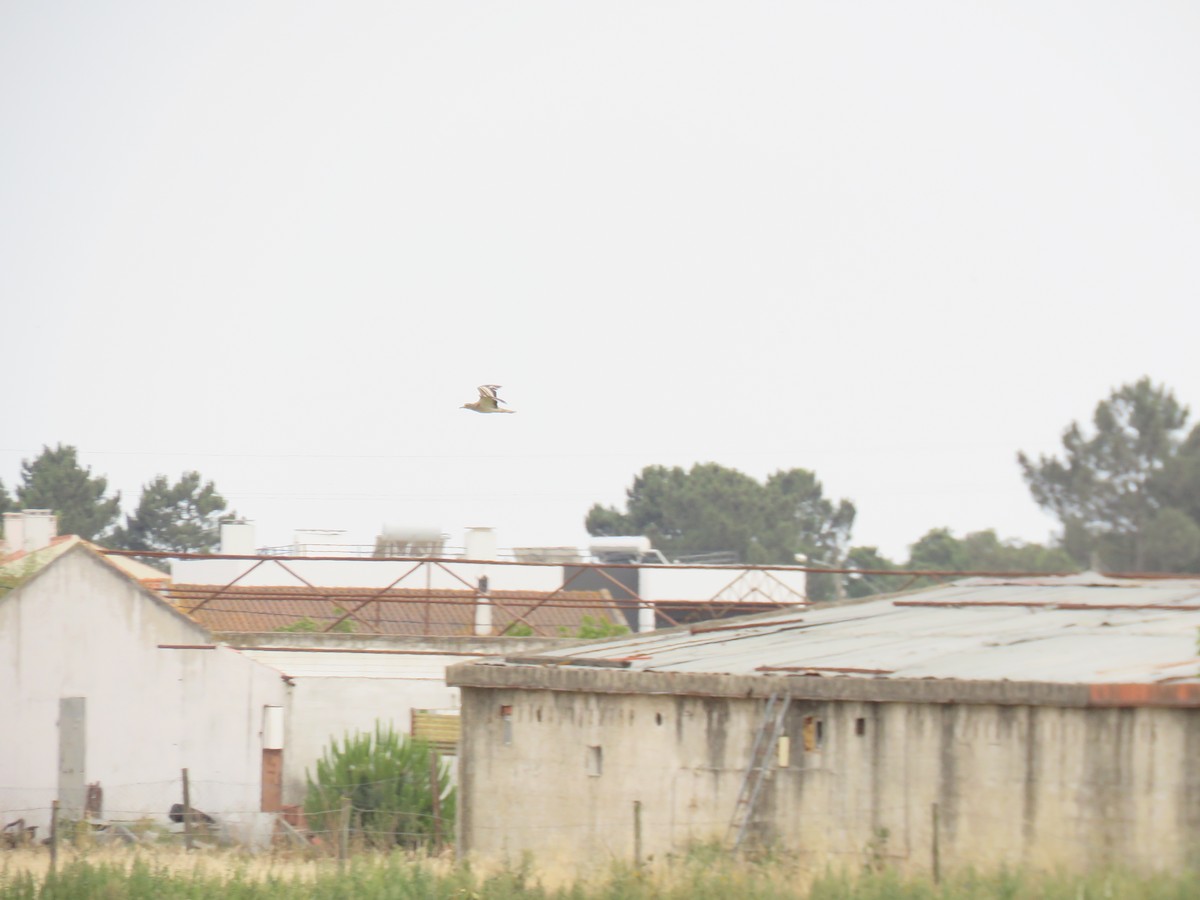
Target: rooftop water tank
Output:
{"points": [[620, 548]]}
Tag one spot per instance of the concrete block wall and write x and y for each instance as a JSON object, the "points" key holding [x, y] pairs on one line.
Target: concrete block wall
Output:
{"points": [[855, 783]]}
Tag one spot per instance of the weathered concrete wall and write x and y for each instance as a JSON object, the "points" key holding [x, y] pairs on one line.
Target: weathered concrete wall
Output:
{"points": [[1013, 784]]}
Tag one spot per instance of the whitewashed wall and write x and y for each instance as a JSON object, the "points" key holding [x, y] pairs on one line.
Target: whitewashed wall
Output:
{"points": [[81, 628], [340, 693]]}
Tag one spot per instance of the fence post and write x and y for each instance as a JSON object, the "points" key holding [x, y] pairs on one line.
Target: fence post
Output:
{"points": [[53, 835], [344, 832], [436, 790], [637, 834], [187, 812]]}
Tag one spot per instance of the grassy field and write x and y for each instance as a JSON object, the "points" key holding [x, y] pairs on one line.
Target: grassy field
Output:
{"points": [[118, 874]]}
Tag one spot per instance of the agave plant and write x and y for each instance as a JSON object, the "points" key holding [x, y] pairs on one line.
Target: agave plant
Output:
{"points": [[388, 777]]}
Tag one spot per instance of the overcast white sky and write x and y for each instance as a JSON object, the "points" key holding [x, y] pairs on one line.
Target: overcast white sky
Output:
{"points": [[894, 243]]}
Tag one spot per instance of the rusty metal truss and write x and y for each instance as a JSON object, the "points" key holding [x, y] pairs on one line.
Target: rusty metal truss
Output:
{"points": [[751, 588]]}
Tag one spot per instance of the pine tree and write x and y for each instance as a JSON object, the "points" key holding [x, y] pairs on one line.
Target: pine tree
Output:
{"points": [[56, 481], [183, 517]]}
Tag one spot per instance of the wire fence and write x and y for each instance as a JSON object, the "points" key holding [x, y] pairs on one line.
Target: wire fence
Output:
{"points": [[208, 812], [1095, 819]]}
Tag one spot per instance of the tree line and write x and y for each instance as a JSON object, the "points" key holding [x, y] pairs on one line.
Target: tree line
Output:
{"points": [[182, 516], [1126, 492]]}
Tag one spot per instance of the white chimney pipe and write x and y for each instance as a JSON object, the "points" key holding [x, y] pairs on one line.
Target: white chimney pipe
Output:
{"points": [[483, 608], [29, 530], [14, 532], [41, 527]]}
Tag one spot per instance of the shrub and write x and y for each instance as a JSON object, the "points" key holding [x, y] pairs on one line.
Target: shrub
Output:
{"points": [[596, 628], [388, 778]]}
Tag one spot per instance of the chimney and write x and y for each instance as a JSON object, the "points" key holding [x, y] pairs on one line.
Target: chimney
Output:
{"points": [[29, 530], [238, 538], [483, 608], [480, 542], [14, 532]]}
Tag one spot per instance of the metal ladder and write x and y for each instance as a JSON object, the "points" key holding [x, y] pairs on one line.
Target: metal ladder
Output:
{"points": [[765, 742]]}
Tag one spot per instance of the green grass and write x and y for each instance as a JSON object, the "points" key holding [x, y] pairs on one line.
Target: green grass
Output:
{"points": [[701, 876]]}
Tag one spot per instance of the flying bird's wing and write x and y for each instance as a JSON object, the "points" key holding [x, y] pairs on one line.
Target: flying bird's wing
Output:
{"points": [[488, 402]]}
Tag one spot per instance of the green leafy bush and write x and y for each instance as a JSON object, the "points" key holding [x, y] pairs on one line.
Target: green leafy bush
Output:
{"points": [[596, 628], [388, 778]]}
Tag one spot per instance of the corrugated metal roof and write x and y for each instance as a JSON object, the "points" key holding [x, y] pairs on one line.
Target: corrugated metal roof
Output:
{"points": [[1079, 629]]}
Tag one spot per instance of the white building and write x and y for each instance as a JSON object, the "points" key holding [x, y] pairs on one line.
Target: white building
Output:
{"points": [[92, 690], [104, 682]]}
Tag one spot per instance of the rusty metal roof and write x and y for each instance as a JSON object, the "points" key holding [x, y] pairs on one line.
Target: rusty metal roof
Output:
{"points": [[1085, 629], [408, 611]]}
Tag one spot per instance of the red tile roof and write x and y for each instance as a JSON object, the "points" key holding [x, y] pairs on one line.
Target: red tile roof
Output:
{"points": [[403, 611]]}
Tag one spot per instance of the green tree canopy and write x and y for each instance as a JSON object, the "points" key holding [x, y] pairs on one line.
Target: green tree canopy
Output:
{"points": [[711, 508], [870, 559], [1109, 486], [56, 481], [6, 501], [983, 551], [1177, 485], [184, 517]]}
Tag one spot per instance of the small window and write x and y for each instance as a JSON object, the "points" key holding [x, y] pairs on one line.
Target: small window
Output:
{"points": [[860, 726], [814, 734], [506, 719], [658, 718], [595, 761]]}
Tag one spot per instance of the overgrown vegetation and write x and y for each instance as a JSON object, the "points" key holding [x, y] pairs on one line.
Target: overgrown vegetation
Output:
{"points": [[306, 625], [702, 876], [393, 788], [14, 573], [592, 628], [595, 628]]}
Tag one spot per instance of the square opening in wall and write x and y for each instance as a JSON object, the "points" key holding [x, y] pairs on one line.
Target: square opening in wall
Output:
{"points": [[595, 761], [814, 734], [860, 726]]}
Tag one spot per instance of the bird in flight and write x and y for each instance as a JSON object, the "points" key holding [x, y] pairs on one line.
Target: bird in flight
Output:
{"points": [[488, 402]]}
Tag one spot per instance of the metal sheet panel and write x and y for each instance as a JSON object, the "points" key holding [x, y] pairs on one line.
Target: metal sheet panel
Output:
{"points": [[1078, 629]]}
